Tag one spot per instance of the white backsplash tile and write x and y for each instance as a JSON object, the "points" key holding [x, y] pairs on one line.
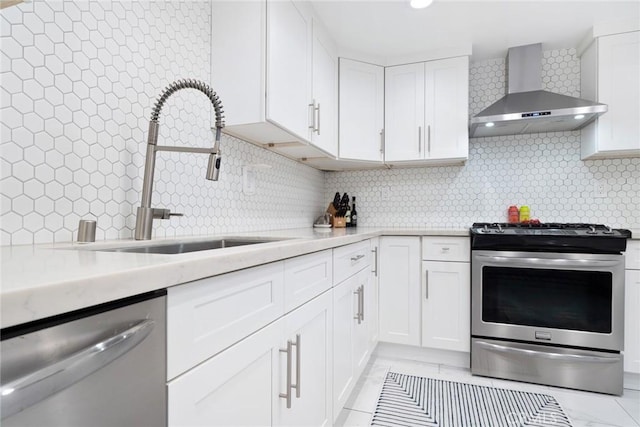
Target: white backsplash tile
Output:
{"points": [[543, 171], [79, 79]]}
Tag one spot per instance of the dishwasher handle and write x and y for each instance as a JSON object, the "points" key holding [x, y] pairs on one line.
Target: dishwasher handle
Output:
{"points": [[36, 386]]}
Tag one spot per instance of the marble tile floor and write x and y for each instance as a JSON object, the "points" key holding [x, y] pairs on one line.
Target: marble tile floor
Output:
{"points": [[583, 408]]}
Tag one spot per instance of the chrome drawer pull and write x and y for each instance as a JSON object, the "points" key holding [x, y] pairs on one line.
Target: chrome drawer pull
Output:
{"points": [[357, 258]]}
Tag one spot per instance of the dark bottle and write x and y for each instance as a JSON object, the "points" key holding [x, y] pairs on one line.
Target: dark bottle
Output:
{"points": [[354, 213], [347, 214]]}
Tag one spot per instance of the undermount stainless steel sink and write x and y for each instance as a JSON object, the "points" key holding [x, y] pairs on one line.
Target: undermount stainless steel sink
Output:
{"points": [[193, 246]]}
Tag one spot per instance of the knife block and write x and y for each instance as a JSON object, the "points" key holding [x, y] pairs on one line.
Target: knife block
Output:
{"points": [[339, 222]]}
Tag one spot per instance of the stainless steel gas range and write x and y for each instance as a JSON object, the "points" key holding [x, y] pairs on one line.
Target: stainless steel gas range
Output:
{"points": [[547, 304]]}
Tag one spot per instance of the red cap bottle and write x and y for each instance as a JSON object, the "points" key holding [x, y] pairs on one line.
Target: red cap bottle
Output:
{"points": [[514, 214]]}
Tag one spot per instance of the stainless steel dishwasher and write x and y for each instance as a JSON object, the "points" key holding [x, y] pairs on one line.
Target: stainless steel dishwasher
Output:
{"points": [[103, 366]]}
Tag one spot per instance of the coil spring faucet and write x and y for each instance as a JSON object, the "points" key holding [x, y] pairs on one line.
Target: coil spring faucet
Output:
{"points": [[145, 213]]}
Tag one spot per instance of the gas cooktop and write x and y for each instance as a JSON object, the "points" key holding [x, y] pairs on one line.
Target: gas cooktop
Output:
{"points": [[549, 237], [548, 229]]}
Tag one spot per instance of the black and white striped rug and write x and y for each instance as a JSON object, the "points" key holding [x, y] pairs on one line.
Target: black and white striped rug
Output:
{"points": [[407, 400]]}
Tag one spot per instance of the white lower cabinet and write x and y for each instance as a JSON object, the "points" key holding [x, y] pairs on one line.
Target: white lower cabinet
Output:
{"points": [[277, 344], [446, 293], [352, 347], [236, 387], [399, 290], [446, 305], [309, 330], [373, 297], [632, 321], [281, 375]]}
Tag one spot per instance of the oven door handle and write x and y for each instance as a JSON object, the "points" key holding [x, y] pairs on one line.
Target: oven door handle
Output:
{"points": [[546, 262], [547, 355]]}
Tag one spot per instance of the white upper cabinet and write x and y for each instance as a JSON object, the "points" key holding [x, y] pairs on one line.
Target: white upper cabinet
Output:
{"points": [[324, 121], [404, 112], [270, 60], [426, 111], [447, 109], [361, 113], [610, 67], [288, 73]]}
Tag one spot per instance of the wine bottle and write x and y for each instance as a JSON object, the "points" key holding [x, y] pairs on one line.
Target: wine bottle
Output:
{"points": [[354, 213], [347, 215]]}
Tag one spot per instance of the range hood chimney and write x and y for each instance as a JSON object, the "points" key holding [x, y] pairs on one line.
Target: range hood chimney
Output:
{"points": [[526, 108]]}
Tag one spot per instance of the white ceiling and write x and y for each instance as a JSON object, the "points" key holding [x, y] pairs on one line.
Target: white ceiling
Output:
{"points": [[390, 28]]}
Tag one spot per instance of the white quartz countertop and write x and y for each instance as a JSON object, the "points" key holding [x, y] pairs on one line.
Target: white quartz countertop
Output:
{"points": [[38, 281]]}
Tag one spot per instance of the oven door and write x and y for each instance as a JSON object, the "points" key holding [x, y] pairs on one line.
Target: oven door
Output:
{"points": [[552, 298]]}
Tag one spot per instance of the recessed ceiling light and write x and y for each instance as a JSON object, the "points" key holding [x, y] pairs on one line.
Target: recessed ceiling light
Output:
{"points": [[579, 116], [420, 4], [489, 124]]}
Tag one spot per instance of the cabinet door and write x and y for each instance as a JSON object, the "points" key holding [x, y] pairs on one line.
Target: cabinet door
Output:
{"points": [[404, 112], [344, 309], [361, 341], [619, 88], [399, 293], [235, 387], [361, 110], [325, 91], [288, 72], [446, 108], [373, 298], [446, 305], [206, 316], [307, 276], [632, 322], [310, 328]]}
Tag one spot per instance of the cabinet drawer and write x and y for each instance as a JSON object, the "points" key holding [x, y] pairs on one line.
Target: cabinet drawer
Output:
{"points": [[445, 248], [632, 255], [306, 277], [349, 259], [206, 316]]}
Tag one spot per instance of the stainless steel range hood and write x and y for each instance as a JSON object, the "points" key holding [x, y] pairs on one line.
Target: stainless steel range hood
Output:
{"points": [[527, 108]]}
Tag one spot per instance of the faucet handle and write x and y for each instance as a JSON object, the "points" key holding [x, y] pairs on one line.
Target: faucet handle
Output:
{"points": [[164, 213]]}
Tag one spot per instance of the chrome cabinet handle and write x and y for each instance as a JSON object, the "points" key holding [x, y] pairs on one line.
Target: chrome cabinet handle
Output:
{"points": [[357, 316], [357, 258], [36, 386], [547, 355], [297, 384], [315, 111], [362, 303], [419, 139], [287, 395], [429, 139], [381, 141], [375, 261], [445, 249], [426, 284]]}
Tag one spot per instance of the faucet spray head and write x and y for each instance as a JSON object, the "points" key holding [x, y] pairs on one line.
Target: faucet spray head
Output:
{"points": [[213, 168]]}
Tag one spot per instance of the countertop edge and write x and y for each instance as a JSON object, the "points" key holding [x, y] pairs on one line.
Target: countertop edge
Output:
{"points": [[36, 301]]}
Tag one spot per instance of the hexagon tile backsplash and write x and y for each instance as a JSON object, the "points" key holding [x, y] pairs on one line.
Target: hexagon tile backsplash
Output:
{"points": [[79, 79], [543, 171]]}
